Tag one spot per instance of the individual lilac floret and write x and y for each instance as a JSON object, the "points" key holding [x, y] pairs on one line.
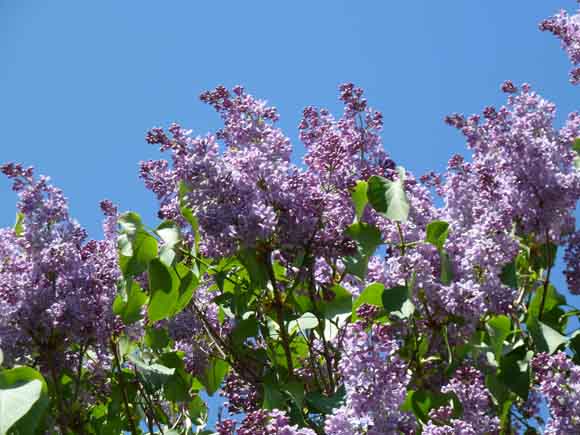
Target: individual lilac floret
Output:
{"points": [[566, 27], [559, 382]]}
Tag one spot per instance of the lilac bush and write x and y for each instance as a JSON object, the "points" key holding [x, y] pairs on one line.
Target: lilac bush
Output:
{"points": [[343, 295]]}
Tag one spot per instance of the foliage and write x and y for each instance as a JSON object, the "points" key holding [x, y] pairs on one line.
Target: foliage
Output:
{"points": [[334, 297]]}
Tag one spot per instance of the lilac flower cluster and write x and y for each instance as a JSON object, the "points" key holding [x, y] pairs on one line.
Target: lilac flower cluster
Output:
{"points": [[261, 422], [567, 28], [521, 178], [519, 183], [251, 191], [241, 396], [55, 288], [559, 382], [376, 381], [571, 255], [467, 384]]}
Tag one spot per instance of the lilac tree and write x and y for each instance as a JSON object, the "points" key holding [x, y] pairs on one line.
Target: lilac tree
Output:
{"points": [[340, 296]]}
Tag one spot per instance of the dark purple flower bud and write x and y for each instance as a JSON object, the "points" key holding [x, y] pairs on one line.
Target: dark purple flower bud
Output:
{"points": [[456, 120], [509, 87]]}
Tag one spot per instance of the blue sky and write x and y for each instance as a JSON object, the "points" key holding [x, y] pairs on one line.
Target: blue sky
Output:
{"points": [[81, 82]]}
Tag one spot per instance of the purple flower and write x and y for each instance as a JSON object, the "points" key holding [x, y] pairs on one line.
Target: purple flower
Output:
{"points": [[566, 28], [559, 382], [56, 288]]}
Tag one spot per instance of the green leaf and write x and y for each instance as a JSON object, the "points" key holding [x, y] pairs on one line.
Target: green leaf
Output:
{"points": [[446, 268], [164, 287], [437, 232], [129, 307], [198, 410], [423, 401], [245, 329], [553, 299], [214, 375], [368, 238], [255, 266], [575, 346], [156, 338], [546, 338], [323, 404], [502, 397], [130, 223], [167, 255], [514, 371], [168, 232], [188, 283], [154, 373], [19, 224], [543, 256], [137, 252], [498, 329], [303, 323], [16, 402], [23, 400], [176, 389], [371, 295], [295, 390], [359, 198], [273, 397], [332, 326], [397, 301], [509, 276], [341, 303], [547, 333], [389, 197], [576, 148], [499, 392]]}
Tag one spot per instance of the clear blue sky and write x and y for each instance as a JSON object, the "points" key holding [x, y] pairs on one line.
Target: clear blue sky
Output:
{"points": [[81, 82]]}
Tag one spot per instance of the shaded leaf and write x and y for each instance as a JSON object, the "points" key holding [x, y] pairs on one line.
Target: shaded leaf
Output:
{"points": [[397, 301], [214, 375], [389, 197], [341, 303], [515, 371], [359, 198], [437, 232]]}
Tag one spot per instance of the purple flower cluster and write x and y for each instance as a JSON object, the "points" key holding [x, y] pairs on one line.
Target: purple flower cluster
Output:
{"points": [[55, 288], [261, 422], [376, 381], [250, 192], [559, 382], [468, 385], [241, 396], [567, 28], [571, 255], [521, 180]]}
